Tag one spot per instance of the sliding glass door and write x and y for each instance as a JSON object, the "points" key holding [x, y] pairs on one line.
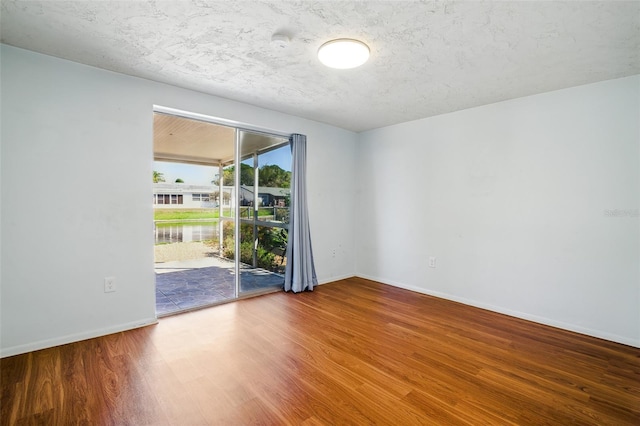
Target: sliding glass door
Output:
{"points": [[241, 196]]}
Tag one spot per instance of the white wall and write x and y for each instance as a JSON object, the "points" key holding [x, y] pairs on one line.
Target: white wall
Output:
{"points": [[70, 129], [514, 199], [517, 200]]}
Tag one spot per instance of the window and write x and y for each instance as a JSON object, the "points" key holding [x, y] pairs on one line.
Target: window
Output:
{"points": [[168, 199], [200, 197]]}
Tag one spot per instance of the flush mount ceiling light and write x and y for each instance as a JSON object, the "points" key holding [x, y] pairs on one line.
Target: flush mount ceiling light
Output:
{"points": [[343, 53]]}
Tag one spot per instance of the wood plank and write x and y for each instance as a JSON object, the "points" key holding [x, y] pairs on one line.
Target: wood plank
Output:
{"points": [[350, 352]]}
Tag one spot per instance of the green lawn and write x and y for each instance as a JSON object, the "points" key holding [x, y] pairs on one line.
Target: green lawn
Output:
{"points": [[181, 215], [161, 214], [186, 223]]}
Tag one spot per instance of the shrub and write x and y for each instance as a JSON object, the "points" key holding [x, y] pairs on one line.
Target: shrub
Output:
{"points": [[268, 239]]}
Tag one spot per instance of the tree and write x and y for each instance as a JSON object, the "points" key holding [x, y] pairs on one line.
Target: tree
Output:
{"points": [[226, 197], [158, 177], [246, 175], [179, 180], [273, 176], [269, 175]]}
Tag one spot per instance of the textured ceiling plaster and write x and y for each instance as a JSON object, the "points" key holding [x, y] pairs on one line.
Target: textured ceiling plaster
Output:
{"points": [[427, 58]]}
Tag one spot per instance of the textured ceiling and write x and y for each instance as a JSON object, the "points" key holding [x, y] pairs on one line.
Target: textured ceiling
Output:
{"points": [[427, 58]]}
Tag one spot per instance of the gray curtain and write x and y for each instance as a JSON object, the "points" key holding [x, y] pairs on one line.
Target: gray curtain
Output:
{"points": [[300, 273]]}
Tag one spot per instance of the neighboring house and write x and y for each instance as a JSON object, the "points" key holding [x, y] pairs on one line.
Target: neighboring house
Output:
{"points": [[181, 195], [269, 196], [186, 196]]}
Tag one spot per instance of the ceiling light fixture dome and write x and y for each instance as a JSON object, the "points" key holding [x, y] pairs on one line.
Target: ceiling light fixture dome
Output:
{"points": [[343, 53]]}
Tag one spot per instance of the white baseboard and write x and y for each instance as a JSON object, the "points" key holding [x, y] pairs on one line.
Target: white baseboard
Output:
{"points": [[63, 340], [501, 310], [332, 279]]}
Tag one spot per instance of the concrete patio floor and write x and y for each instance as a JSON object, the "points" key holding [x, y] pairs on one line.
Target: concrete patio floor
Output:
{"points": [[189, 284]]}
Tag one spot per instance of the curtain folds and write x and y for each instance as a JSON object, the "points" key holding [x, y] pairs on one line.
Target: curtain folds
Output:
{"points": [[300, 272]]}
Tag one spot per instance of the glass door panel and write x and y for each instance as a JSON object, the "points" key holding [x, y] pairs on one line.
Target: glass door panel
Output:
{"points": [[265, 176], [189, 194]]}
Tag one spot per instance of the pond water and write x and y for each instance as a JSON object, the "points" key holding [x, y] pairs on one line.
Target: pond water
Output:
{"points": [[185, 232]]}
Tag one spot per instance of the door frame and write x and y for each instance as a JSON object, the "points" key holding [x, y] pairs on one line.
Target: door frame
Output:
{"points": [[238, 127]]}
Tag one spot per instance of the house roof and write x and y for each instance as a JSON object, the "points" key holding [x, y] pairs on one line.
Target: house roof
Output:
{"points": [[178, 188], [182, 188], [278, 192], [427, 57]]}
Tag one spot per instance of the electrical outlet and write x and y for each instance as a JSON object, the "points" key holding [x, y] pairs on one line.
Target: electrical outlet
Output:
{"points": [[432, 262], [109, 284]]}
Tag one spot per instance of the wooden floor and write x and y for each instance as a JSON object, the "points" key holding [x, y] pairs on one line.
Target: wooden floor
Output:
{"points": [[351, 352]]}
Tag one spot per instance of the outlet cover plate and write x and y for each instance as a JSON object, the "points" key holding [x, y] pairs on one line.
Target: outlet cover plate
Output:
{"points": [[109, 284]]}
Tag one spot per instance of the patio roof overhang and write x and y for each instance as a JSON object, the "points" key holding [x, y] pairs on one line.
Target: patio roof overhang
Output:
{"points": [[192, 141]]}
